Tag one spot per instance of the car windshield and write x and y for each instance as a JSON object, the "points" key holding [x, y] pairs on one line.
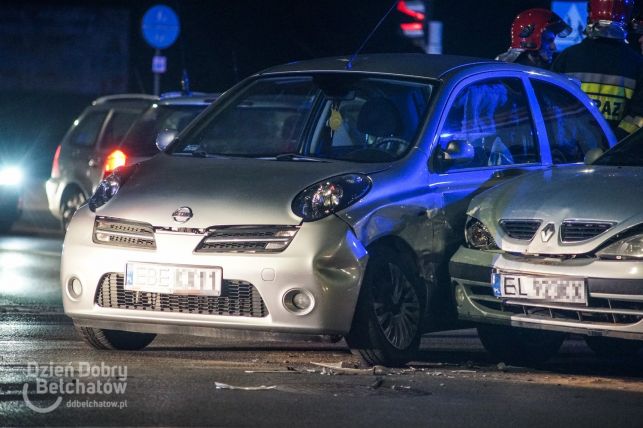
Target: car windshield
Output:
{"points": [[338, 116], [140, 139], [628, 152]]}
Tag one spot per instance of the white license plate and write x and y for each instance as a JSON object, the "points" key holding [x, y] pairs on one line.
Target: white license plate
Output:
{"points": [[173, 279], [546, 289]]}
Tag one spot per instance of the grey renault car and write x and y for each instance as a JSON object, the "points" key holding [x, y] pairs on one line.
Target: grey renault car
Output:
{"points": [[554, 252], [321, 197]]}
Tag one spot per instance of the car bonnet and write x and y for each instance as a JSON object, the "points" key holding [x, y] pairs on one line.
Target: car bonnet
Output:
{"points": [[586, 193], [220, 191]]}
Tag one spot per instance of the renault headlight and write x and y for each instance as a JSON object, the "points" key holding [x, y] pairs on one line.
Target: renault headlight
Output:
{"points": [[627, 248], [330, 196], [108, 187], [10, 176], [477, 236]]}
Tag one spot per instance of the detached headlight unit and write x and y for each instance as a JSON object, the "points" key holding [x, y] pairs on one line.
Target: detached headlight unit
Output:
{"points": [[330, 196], [477, 236]]}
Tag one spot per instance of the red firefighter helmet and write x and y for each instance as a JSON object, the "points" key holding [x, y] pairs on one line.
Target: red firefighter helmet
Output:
{"points": [[610, 11], [609, 18], [529, 25]]}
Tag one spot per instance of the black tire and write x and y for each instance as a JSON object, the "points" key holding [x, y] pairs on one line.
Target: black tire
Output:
{"points": [[70, 203], [115, 339], [520, 346], [388, 317], [612, 347]]}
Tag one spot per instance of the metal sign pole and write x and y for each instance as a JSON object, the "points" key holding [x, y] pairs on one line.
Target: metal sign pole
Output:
{"points": [[157, 76]]}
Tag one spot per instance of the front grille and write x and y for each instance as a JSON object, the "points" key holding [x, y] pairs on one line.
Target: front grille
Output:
{"points": [[247, 239], [598, 310], [238, 298], [520, 229], [576, 231], [123, 233]]}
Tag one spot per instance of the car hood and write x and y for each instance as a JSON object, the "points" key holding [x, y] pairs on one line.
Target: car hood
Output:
{"points": [[590, 193], [220, 191]]}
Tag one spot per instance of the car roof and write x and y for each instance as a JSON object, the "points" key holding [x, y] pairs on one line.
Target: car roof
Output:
{"points": [[124, 98], [402, 64], [194, 98]]}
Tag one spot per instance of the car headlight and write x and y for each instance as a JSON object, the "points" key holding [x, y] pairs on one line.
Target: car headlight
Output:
{"points": [[477, 236], [108, 187], [627, 248], [330, 196], [10, 176]]}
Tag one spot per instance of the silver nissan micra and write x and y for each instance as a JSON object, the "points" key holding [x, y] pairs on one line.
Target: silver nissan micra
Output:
{"points": [[317, 197]]}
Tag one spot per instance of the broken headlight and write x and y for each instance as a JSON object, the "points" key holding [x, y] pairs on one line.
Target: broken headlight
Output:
{"points": [[330, 196], [108, 187], [477, 236]]}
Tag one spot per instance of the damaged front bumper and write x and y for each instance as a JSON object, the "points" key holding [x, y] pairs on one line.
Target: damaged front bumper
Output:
{"points": [[324, 260], [614, 291]]}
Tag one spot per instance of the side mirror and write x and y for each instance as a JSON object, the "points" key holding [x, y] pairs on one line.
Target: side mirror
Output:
{"points": [[592, 155], [458, 152], [164, 138]]}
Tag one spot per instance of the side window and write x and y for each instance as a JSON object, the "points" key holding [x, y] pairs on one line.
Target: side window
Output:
{"points": [[117, 126], [572, 130], [87, 130], [488, 124]]}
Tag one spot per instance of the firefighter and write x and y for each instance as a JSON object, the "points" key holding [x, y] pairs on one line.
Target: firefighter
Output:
{"points": [[611, 73], [532, 38], [637, 27]]}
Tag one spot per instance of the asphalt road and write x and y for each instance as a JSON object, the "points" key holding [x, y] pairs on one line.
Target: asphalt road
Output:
{"points": [[293, 380]]}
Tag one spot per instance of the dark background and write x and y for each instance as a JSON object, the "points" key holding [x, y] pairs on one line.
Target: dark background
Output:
{"points": [[56, 66]]}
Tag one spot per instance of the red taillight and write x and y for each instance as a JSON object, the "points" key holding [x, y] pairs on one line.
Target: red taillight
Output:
{"points": [[114, 160], [55, 167], [412, 27], [406, 10]]}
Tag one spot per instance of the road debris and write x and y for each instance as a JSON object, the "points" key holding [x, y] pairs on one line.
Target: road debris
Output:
{"points": [[220, 385], [339, 368], [288, 369], [343, 368], [378, 382]]}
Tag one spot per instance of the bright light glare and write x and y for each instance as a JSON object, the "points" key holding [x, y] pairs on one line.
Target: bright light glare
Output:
{"points": [[10, 176]]}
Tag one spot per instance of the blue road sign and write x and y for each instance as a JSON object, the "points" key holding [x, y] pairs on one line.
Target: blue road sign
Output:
{"points": [[160, 26]]}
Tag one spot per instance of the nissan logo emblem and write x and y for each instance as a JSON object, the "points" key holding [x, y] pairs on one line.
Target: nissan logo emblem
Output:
{"points": [[182, 215]]}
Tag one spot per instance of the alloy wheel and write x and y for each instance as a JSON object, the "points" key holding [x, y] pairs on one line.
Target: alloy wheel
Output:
{"points": [[397, 307]]}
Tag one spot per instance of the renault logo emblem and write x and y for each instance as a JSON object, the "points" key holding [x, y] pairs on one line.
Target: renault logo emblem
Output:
{"points": [[548, 232], [182, 215]]}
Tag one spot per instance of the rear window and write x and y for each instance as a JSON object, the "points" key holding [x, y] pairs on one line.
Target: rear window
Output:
{"points": [[140, 140], [572, 130]]}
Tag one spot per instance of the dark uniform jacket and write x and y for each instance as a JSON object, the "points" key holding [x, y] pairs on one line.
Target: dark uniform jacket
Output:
{"points": [[611, 73], [519, 56]]}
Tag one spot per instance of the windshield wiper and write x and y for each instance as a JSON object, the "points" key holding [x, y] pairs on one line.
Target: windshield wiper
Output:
{"points": [[297, 157]]}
